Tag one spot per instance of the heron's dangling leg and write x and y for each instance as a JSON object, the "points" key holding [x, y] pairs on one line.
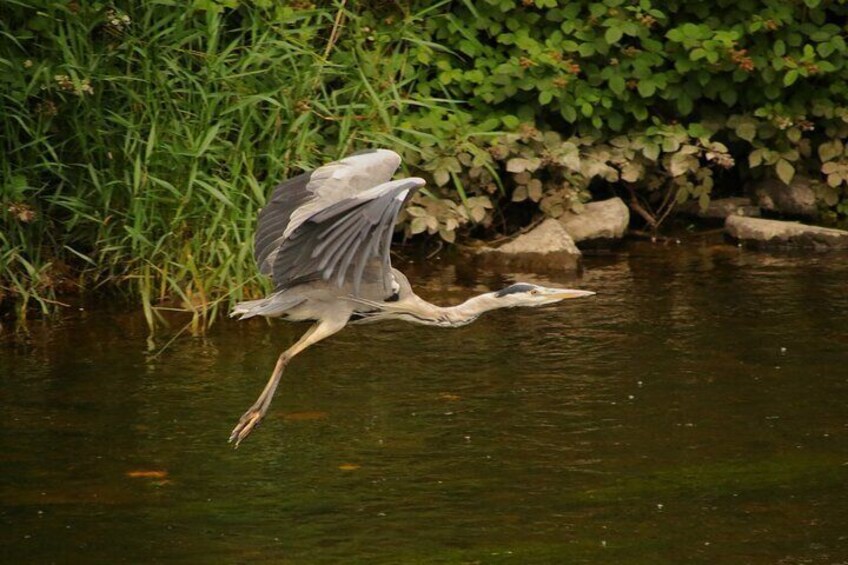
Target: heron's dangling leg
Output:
{"points": [[255, 413]]}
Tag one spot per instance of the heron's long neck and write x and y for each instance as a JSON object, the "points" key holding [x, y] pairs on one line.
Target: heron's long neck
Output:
{"points": [[417, 310]]}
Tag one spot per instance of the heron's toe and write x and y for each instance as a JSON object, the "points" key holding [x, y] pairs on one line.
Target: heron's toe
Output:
{"points": [[246, 424]]}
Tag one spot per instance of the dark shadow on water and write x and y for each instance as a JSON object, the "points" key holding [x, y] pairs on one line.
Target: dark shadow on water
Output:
{"points": [[695, 409]]}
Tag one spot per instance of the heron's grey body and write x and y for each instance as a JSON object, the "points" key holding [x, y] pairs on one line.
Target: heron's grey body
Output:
{"points": [[324, 239]]}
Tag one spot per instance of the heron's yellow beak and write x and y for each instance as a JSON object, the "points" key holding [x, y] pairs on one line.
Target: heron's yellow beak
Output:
{"points": [[566, 294]]}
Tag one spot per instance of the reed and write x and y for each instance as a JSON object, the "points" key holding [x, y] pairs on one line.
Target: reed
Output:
{"points": [[139, 145]]}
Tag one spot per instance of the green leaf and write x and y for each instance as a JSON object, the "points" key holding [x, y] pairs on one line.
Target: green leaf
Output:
{"points": [[519, 194], [825, 49], [617, 84], [517, 165], [793, 134], [418, 225], [615, 121], [790, 77], [728, 96], [747, 131], [773, 91], [646, 88], [510, 122], [447, 235], [640, 113], [830, 168], [785, 171], [651, 151], [586, 49], [684, 104], [830, 150], [612, 35], [441, 176], [698, 53], [680, 164], [675, 35]]}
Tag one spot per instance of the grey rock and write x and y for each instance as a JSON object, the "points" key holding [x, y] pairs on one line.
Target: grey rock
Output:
{"points": [[606, 219], [546, 247], [785, 234], [721, 208], [796, 199]]}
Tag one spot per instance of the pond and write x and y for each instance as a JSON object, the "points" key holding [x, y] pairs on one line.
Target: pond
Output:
{"points": [[695, 409]]}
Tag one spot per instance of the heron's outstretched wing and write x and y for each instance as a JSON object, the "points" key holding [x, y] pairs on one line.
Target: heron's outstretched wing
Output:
{"points": [[298, 199], [337, 243]]}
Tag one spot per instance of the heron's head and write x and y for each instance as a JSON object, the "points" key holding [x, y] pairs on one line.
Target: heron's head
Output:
{"points": [[526, 294]]}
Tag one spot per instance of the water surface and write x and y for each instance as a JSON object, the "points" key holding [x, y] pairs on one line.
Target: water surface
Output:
{"points": [[695, 409]]}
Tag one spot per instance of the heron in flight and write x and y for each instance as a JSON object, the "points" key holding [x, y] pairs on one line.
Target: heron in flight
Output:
{"points": [[324, 239]]}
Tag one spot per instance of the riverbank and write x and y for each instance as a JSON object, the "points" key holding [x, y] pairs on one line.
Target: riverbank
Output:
{"points": [[683, 236]]}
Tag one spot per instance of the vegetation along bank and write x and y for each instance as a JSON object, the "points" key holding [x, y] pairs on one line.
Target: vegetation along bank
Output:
{"points": [[139, 143]]}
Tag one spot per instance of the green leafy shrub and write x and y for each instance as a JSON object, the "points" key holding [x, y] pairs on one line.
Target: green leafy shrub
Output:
{"points": [[767, 79]]}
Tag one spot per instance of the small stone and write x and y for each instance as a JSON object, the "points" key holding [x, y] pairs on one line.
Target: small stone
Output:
{"points": [[605, 219], [785, 234], [795, 199], [546, 247]]}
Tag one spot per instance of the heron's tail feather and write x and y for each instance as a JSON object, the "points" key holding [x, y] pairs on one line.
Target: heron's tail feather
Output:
{"points": [[271, 306]]}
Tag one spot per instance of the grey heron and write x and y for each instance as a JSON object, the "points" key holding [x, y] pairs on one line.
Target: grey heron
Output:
{"points": [[324, 239]]}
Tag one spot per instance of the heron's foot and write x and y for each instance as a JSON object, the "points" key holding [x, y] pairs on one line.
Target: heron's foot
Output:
{"points": [[248, 421]]}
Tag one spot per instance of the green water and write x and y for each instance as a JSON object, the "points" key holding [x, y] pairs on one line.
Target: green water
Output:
{"points": [[695, 409]]}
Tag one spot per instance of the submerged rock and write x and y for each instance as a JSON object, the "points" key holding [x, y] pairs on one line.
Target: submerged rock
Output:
{"points": [[606, 219], [786, 234], [546, 247], [795, 199], [721, 208]]}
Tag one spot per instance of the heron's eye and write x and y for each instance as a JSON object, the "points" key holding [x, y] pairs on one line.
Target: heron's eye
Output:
{"points": [[534, 291]]}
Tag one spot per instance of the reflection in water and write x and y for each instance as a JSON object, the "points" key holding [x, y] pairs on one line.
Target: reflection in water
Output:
{"points": [[695, 408]]}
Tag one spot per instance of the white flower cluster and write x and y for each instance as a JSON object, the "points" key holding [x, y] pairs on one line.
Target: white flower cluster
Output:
{"points": [[117, 22]]}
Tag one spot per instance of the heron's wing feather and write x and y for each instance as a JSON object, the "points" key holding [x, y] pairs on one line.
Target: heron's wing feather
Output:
{"points": [[274, 219], [339, 242], [298, 199]]}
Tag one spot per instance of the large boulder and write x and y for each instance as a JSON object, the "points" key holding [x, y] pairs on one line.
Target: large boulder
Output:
{"points": [[795, 199], [721, 208], [547, 247], [785, 234], [606, 219]]}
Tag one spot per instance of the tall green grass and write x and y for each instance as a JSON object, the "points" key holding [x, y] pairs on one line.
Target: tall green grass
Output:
{"points": [[137, 151]]}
